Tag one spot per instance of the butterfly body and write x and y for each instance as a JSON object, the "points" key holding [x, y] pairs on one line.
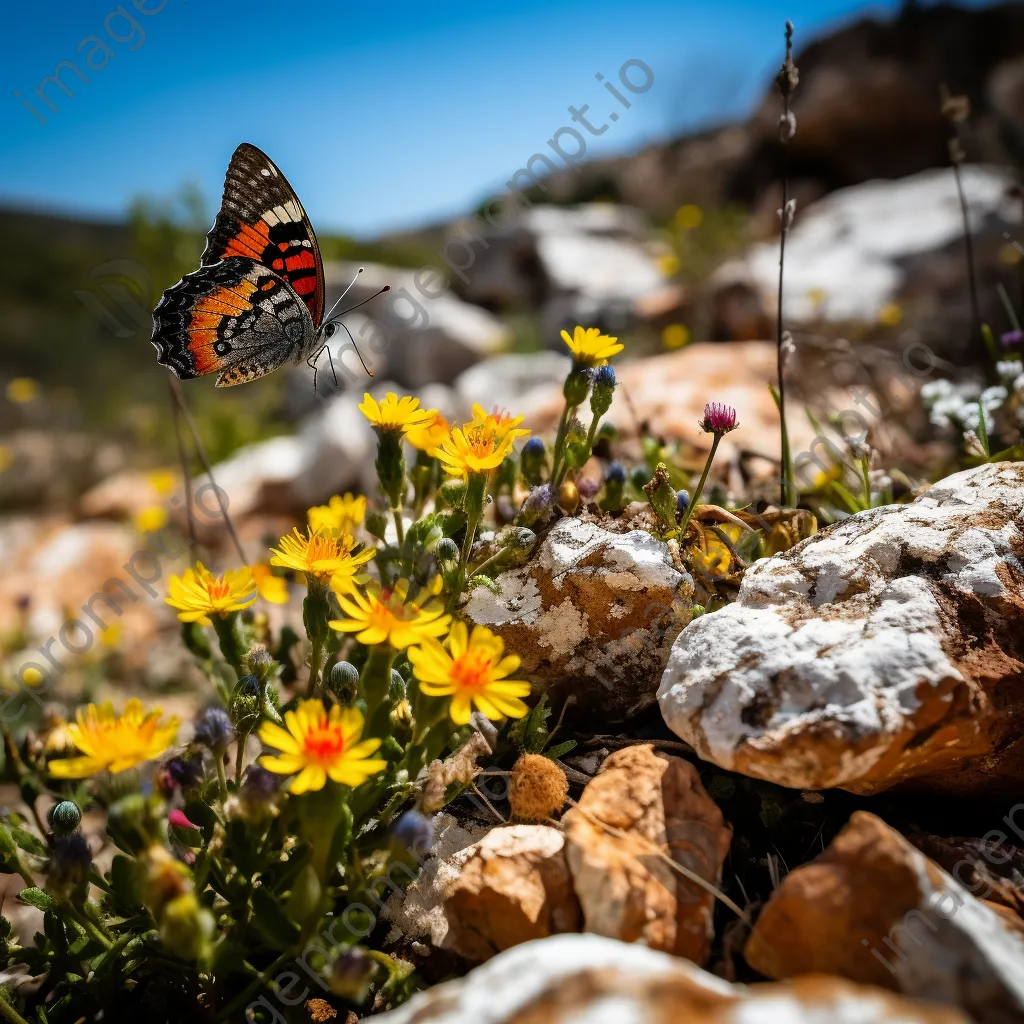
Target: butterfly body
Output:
{"points": [[257, 299]]}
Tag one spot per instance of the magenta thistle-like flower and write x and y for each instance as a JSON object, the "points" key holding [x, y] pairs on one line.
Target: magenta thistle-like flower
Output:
{"points": [[718, 418]]}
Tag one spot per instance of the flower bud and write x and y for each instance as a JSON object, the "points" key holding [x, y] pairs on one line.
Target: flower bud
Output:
{"points": [[186, 927], [682, 503], [604, 387], [638, 476], [64, 817], [576, 387], [344, 682], [245, 704], [614, 487], [718, 418], [446, 552], [195, 639], [568, 497], [259, 661], [214, 730], [532, 460], [662, 496], [376, 524], [350, 975], [397, 686], [183, 773], [453, 492], [412, 833]]}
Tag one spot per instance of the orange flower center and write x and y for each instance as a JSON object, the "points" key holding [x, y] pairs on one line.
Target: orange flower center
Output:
{"points": [[321, 548], [471, 672], [324, 743], [218, 589]]}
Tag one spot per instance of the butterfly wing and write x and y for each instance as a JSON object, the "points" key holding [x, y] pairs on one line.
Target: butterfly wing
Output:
{"points": [[235, 318], [261, 218]]}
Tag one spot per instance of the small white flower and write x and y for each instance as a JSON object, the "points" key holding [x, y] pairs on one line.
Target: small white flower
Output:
{"points": [[1009, 370]]}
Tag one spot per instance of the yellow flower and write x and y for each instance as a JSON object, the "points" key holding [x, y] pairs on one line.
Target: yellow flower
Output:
{"points": [[675, 336], [383, 616], [163, 481], [320, 555], [890, 314], [393, 413], [668, 264], [427, 436], [589, 346], [111, 636], [474, 673], [318, 744], [714, 557], [22, 390], [504, 425], [688, 217], [112, 743], [197, 594], [480, 445], [150, 519], [342, 514], [271, 588]]}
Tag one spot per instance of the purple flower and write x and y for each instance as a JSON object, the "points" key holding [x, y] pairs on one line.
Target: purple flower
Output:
{"points": [[718, 418], [1011, 339], [214, 730]]}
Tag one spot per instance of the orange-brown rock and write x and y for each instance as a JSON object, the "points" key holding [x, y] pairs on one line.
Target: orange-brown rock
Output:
{"points": [[513, 886], [873, 909], [649, 802], [588, 979]]}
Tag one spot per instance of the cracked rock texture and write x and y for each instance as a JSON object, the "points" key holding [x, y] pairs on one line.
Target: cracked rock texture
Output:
{"points": [[588, 979], [873, 909], [592, 615], [653, 802], [886, 649], [513, 886]]}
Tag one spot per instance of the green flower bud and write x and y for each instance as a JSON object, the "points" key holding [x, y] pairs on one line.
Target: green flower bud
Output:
{"points": [[576, 387], [344, 682], [186, 927], [376, 524], [604, 387], [662, 496], [195, 639], [533, 461], [446, 551], [64, 817], [259, 662], [453, 492]]}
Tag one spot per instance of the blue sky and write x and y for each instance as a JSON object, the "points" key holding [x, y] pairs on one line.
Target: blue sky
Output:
{"points": [[382, 115]]}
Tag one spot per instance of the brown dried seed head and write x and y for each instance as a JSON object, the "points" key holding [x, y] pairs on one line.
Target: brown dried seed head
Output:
{"points": [[320, 1010], [538, 788]]}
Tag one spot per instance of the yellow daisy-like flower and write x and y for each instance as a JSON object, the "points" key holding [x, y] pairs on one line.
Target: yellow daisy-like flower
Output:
{"points": [[324, 556], [393, 413], [383, 616], [319, 745], [198, 594], [590, 347], [501, 421], [428, 435], [472, 672], [714, 557], [480, 445], [112, 743], [271, 588], [342, 514]]}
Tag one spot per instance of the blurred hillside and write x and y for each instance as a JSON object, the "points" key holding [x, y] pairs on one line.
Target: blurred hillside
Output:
{"points": [[662, 253]]}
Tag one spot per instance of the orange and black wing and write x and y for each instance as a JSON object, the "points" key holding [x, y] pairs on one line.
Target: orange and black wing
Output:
{"points": [[235, 318], [261, 218]]}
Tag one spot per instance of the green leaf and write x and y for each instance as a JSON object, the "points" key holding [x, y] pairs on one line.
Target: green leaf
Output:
{"points": [[28, 842], [273, 923], [124, 883], [38, 898], [560, 749]]}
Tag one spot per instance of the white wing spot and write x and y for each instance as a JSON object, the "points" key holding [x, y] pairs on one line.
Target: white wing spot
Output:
{"points": [[265, 172]]}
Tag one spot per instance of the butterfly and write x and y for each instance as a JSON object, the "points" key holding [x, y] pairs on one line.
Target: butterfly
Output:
{"points": [[257, 299]]}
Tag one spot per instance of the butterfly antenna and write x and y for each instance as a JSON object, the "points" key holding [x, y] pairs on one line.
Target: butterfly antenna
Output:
{"points": [[354, 345], [327, 319], [369, 298]]}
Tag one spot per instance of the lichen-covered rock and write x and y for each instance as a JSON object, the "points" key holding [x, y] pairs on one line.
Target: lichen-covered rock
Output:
{"points": [[588, 979], [513, 886], [886, 648], [873, 909], [653, 802], [593, 615]]}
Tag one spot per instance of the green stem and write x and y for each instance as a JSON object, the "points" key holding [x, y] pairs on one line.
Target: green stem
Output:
{"points": [[239, 755], [399, 528], [261, 980], [9, 1013], [90, 926], [700, 486], [591, 434], [376, 678], [222, 782], [559, 440]]}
